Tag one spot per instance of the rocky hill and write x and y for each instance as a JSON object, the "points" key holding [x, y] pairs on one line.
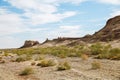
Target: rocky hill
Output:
{"points": [[110, 32]]}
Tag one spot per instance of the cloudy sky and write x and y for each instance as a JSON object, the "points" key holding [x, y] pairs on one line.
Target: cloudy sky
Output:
{"points": [[22, 20]]}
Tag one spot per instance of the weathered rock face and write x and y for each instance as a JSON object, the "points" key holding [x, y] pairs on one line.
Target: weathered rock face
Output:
{"points": [[111, 31], [29, 43]]}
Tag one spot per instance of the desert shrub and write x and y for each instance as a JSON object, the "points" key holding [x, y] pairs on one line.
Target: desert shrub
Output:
{"points": [[59, 51], [73, 55], [23, 51], [39, 58], [0, 57], [27, 71], [115, 50], [62, 55], [36, 51], [46, 63], [74, 52], [28, 57], [96, 65], [113, 54], [96, 49], [33, 63], [13, 60], [39, 64], [64, 66], [79, 47], [24, 57], [2, 61], [6, 54], [20, 59], [84, 57]]}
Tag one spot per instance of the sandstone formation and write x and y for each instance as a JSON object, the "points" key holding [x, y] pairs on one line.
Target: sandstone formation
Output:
{"points": [[30, 43], [110, 32]]}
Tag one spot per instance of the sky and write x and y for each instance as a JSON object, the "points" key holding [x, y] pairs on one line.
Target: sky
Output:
{"points": [[22, 20]]}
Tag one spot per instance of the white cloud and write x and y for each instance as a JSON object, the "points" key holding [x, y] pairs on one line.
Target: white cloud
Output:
{"points": [[115, 13], [36, 12], [70, 28], [39, 18], [42, 12], [73, 1], [33, 5], [10, 42], [114, 2], [65, 31], [10, 23]]}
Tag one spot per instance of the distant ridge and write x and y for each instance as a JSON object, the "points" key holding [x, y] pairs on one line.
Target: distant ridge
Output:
{"points": [[110, 32]]}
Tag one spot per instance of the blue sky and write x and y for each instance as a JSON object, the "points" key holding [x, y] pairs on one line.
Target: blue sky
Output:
{"points": [[22, 20]]}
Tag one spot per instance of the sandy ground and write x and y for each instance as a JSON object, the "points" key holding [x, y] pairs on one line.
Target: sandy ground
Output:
{"points": [[81, 70]]}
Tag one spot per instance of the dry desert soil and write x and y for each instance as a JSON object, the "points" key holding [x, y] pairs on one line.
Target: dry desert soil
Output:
{"points": [[80, 70]]}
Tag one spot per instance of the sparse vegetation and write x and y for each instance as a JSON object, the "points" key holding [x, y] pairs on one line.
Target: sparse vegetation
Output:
{"points": [[46, 63], [20, 59], [2, 61], [6, 54], [100, 50], [39, 58], [23, 58], [63, 66], [96, 49], [84, 57], [33, 63], [96, 65], [0, 58], [39, 64], [27, 71], [113, 54]]}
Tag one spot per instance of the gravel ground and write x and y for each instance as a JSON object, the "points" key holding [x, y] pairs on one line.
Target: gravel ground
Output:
{"points": [[81, 70]]}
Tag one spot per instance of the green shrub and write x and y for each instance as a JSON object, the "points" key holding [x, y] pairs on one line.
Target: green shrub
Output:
{"points": [[27, 71], [23, 58], [64, 66], [115, 51], [6, 54], [113, 54], [96, 48]]}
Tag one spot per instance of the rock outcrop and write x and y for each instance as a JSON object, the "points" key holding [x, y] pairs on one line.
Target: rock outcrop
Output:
{"points": [[110, 32], [30, 43]]}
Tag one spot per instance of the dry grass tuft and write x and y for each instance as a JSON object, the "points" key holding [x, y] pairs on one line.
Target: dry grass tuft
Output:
{"points": [[96, 65], [27, 71], [64, 66]]}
